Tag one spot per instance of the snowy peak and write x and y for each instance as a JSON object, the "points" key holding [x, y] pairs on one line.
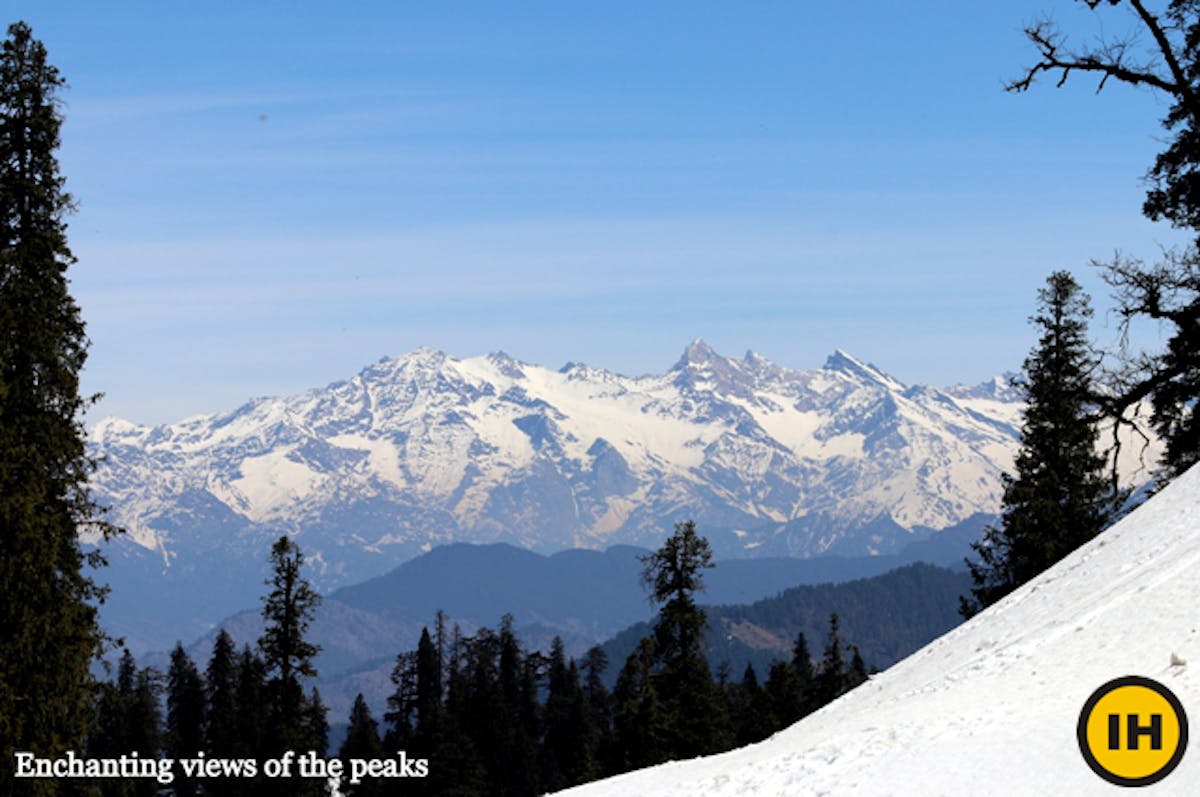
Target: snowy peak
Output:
{"points": [[844, 363], [1005, 387], [698, 354]]}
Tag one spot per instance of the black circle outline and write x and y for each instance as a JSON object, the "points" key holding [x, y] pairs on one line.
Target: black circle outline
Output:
{"points": [[1165, 694]]}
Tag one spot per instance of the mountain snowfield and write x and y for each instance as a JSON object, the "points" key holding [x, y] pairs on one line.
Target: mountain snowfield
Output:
{"points": [[426, 449], [991, 707]]}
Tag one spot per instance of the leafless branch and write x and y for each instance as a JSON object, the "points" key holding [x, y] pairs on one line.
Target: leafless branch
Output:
{"points": [[1109, 59]]}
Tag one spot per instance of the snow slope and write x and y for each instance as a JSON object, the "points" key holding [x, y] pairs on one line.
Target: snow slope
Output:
{"points": [[991, 707]]}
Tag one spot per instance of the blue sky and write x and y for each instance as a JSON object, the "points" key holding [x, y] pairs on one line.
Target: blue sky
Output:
{"points": [[273, 194]]}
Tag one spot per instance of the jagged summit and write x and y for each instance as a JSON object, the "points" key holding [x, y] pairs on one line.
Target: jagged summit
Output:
{"points": [[849, 364], [697, 354], [507, 365]]}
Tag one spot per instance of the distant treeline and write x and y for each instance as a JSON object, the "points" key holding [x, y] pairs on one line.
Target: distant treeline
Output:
{"points": [[490, 716]]}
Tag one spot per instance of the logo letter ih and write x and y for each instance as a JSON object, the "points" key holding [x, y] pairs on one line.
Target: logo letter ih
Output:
{"points": [[1133, 731]]}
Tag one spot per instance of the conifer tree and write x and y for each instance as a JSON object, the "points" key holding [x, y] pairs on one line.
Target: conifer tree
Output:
{"points": [[518, 771], [221, 683], [639, 722], [402, 703], [185, 714], [831, 679], [802, 660], [694, 707], [752, 711], [362, 742], [287, 611], [569, 747], [599, 702], [110, 734], [428, 687], [784, 694], [316, 723], [858, 669], [529, 718], [252, 726], [1058, 498], [460, 770], [145, 725], [49, 635]]}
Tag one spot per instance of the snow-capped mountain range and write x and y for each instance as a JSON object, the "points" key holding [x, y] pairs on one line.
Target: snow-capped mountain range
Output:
{"points": [[425, 449]]}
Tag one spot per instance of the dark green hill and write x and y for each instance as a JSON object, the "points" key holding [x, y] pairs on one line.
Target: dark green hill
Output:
{"points": [[887, 617]]}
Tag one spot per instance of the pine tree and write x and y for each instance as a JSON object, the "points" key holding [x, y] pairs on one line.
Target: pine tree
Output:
{"points": [[144, 722], [858, 669], [185, 714], [1058, 498], [692, 703], [402, 703], [831, 679], [751, 709], [362, 742], [221, 682], [568, 752], [110, 734], [48, 630], [316, 724], [599, 701], [250, 741], [287, 612], [429, 686], [460, 770], [518, 774], [639, 722], [805, 675]]}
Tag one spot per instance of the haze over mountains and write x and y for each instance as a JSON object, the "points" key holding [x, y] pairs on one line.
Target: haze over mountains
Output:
{"points": [[426, 449]]}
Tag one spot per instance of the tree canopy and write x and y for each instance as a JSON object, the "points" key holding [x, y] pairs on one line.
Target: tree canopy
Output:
{"points": [[49, 635]]}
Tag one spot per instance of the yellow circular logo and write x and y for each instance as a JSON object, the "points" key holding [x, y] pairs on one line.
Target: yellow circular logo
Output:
{"points": [[1132, 731]]}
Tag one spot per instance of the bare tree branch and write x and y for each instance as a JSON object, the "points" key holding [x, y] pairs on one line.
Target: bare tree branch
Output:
{"points": [[1109, 60]]}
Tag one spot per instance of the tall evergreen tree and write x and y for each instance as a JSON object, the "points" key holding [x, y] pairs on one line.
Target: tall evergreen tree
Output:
{"points": [[805, 675], [858, 669], [518, 771], [49, 635], [784, 694], [751, 711], [252, 726], [831, 679], [316, 723], [185, 714], [1058, 497], [694, 706], [287, 612], [429, 686], [402, 703], [599, 702], [145, 725], [221, 683], [362, 742], [569, 744], [639, 722]]}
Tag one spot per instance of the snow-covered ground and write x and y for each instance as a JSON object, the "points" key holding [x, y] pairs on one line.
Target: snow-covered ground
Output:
{"points": [[991, 708]]}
